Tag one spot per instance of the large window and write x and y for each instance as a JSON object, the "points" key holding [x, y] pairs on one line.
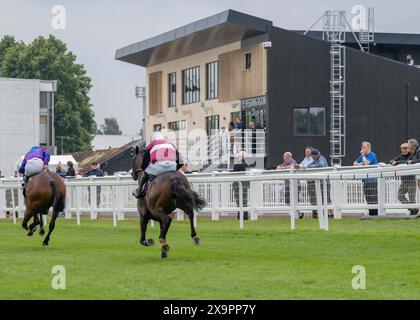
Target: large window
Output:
{"points": [[212, 80], [309, 121], [191, 85], [212, 125], [177, 125], [172, 89]]}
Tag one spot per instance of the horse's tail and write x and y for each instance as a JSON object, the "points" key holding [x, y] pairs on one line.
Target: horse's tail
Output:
{"points": [[58, 202], [186, 194]]}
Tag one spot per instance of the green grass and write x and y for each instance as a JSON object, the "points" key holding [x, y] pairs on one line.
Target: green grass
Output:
{"points": [[264, 261]]}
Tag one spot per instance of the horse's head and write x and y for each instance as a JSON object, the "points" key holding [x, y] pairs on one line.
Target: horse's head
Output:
{"points": [[137, 161]]}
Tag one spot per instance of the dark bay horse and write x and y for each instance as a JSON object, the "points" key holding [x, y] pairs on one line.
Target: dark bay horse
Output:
{"points": [[165, 193], [43, 191]]}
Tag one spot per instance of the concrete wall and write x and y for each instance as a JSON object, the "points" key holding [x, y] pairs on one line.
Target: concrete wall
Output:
{"points": [[19, 119]]}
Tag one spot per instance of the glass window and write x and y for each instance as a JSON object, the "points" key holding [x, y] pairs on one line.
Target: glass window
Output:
{"points": [[191, 85], [157, 127], [172, 89], [309, 121], [45, 100], [212, 80], [212, 125], [177, 125], [248, 61]]}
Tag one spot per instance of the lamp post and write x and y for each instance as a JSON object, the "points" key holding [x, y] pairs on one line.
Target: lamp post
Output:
{"points": [[141, 93]]}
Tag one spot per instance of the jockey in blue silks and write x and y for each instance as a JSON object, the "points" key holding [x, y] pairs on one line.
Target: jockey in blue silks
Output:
{"points": [[35, 161]]}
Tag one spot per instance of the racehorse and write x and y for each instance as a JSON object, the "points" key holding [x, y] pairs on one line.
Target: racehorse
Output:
{"points": [[168, 191], [43, 191]]}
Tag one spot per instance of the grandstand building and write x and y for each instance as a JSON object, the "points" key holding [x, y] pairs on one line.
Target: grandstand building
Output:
{"points": [[203, 75]]}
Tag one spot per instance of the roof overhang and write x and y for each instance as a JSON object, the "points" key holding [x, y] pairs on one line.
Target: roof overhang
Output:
{"points": [[221, 29]]}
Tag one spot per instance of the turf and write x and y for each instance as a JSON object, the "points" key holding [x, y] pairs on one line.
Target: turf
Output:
{"points": [[264, 261]]}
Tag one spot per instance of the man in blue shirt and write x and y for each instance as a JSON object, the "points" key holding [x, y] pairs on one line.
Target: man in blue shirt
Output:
{"points": [[370, 186], [318, 161]]}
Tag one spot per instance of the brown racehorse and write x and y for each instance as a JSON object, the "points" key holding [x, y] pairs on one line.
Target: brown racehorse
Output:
{"points": [[165, 193], [43, 191]]}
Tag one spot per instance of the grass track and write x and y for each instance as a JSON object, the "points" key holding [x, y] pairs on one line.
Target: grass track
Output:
{"points": [[264, 261]]}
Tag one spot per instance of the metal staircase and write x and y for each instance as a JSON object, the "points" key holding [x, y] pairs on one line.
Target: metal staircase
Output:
{"points": [[366, 32], [335, 32]]}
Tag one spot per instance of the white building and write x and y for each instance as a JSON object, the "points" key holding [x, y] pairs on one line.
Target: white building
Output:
{"points": [[26, 119]]}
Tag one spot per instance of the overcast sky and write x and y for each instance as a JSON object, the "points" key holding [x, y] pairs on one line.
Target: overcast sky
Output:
{"points": [[96, 28]]}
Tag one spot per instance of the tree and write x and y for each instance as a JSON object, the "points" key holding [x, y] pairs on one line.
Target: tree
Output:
{"points": [[110, 127], [49, 59]]}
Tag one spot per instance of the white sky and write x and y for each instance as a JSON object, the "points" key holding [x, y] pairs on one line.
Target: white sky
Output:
{"points": [[96, 28]]}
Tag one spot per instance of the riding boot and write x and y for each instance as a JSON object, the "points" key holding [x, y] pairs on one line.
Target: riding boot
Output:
{"points": [[138, 193], [25, 182]]}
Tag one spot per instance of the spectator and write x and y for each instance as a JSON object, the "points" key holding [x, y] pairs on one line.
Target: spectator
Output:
{"points": [[95, 171], [318, 161], [59, 168], [70, 169], [1, 175], [288, 162], [370, 185], [408, 183], [307, 161], [413, 148], [231, 131], [253, 131], [239, 125], [410, 60], [238, 167]]}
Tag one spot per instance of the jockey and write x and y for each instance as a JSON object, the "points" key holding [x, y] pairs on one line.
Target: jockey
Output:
{"points": [[36, 160], [160, 156]]}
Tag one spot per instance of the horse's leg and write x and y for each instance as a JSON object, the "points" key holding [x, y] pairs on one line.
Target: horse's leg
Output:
{"points": [[165, 222], [32, 227], [26, 218], [190, 214], [41, 223], [50, 228], [144, 220]]}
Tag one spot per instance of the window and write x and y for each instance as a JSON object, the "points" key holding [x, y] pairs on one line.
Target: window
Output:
{"points": [[45, 100], [191, 85], [234, 116], [248, 62], [212, 125], [177, 125], [212, 80], [309, 121], [157, 127], [172, 89]]}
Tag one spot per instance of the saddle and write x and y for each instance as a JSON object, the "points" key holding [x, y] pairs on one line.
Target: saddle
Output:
{"points": [[149, 180]]}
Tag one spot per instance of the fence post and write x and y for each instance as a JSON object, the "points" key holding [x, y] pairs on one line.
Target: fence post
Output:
{"points": [[78, 203], [319, 203], [114, 210], [120, 199], [13, 205], [325, 211], [381, 196], [293, 203], [93, 195], [2, 201], [254, 193], [241, 206], [336, 195], [214, 198]]}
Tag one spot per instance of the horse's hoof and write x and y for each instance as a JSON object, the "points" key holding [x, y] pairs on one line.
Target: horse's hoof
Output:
{"points": [[164, 254], [41, 232], [30, 233], [196, 241], [144, 243], [45, 244], [151, 242]]}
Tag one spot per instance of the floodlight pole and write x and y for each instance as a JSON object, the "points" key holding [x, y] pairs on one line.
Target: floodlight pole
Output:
{"points": [[141, 93]]}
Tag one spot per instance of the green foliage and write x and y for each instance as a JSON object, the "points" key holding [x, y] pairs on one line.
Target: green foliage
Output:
{"points": [[49, 59], [266, 260], [110, 127]]}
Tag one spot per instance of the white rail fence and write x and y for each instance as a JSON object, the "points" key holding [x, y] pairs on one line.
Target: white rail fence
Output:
{"points": [[335, 191]]}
